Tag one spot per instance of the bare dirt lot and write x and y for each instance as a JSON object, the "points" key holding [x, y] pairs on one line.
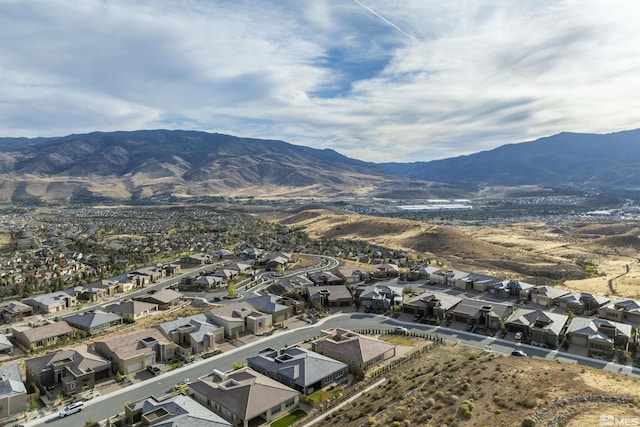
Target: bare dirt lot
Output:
{"points": [[457, 386]]}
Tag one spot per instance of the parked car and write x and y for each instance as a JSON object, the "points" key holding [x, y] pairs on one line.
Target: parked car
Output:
{"points": [[400, 330], [153, 369], [518, 335], [417, 317], [518, 353], [184, 383], [71, 409], [469, 327]]}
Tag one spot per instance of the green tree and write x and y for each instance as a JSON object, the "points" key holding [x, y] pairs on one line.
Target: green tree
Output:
{"points": [[231, 290]]}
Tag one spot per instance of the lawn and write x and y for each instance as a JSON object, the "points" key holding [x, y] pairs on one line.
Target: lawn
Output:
{"points": [[397, 339], [322, 395], [289, 419]]}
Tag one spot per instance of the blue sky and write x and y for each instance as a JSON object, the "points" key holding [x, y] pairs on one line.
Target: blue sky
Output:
{"points": [[377, 80]]}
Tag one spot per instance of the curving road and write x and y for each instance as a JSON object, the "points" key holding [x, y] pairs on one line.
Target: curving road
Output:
{"points": [[108, 405]]}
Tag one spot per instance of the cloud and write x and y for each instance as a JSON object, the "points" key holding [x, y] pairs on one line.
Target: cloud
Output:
{"points": [[379, 80]]}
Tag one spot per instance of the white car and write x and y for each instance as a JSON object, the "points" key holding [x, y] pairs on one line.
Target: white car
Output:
{"points": [[401, 330], [71, 409], [184, 383], [518, 335]]}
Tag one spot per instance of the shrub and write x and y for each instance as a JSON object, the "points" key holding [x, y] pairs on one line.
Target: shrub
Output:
{"points": [[528, 422]]}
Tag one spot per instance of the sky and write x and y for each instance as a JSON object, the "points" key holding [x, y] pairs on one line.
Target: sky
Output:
{"points": [[375, 80]]}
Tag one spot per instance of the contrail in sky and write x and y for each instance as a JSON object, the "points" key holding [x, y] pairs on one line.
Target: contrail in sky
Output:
{"points": [[385, 20]]}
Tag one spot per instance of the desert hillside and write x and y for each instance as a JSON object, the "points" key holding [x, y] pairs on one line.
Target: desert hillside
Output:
{"points": [[600, 258]]}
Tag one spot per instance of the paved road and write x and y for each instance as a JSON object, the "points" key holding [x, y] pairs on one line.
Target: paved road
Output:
{"points": [[108, 405]]}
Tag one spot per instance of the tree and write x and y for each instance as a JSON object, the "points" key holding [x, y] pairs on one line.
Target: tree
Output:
{"points": [[231, 290]]}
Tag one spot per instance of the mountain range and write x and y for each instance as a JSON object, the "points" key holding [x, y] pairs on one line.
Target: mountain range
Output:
{"points": [[151, 164]]}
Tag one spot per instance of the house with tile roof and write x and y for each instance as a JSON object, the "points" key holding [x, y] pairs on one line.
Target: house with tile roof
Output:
{"points": [[360, 352], [431, 305], [164, 299], [583, 303], [174, 411], [31, 338], [54, 302], [13, 393], [598, 336], [537, 326], [135, 351], [239, 318], [622, 310], [130, 311], [546, 296], [330, 296], [193, 334], [14, 311], [244, 397], [68, 371], [94, 322], [484, 314], [298, 368]]}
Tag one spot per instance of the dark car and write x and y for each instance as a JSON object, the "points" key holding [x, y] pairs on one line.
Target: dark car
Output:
{"points": [[518, 353], [417, 317], [469, 327]]}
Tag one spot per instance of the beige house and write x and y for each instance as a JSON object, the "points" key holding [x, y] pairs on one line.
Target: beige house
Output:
{"points": [[41, 336], [136, 350], [625, 310], [244, 397], [240, 318], [13, 393], [130, 311], [546, 296], [358, 351]]}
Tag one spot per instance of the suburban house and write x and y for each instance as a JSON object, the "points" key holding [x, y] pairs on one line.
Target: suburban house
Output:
{"points": [[135, 351], [511, 289], [599, 336], [442, 277], [546, 296], [296, 283], [6, 347], [222, 254], [164, 299], [351, 276], [195, 260], [239, 318], [422, 273], [68, 371], [97, 290], [431, 305], [146, 275], [32, 338], [94, 322], [205, 282], [582, 303], [358, 351], [193, 334], [273, 262], [537, 326], [300, 369], [54, 302], [13, 393], [238, 266], [330, 296], [378, 297], [280, 308], [487, 314], [130, 311], [14, 311], [324, 278], [174, 411], [473, 281], [244, 397], [385, 271], [625, 310]]}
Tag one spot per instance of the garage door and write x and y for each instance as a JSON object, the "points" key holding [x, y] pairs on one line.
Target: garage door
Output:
{"points": [[409, 309], [578, 340], [135, 367]]}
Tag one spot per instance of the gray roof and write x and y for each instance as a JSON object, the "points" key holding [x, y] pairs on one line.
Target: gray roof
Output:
{"points": [[245, 392], [4, 342], [130, 307], [590, 327], [539, 319], [303, 367], [187, 412], [200, 323], [91, 319], [267, 304], [53, 298], [11, 381]]}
